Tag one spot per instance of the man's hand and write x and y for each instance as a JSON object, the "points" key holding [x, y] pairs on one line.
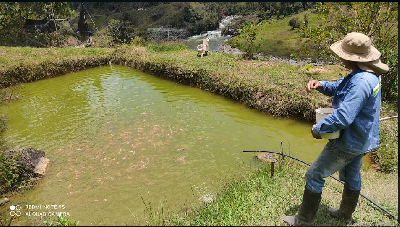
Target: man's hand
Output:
{"points": [[312, 84], [315, 135]]}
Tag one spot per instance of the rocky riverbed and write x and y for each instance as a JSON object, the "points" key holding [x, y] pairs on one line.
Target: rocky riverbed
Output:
{"points": [[225, 48]]}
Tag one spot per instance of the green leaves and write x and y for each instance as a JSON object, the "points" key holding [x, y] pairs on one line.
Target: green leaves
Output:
{"points": [[14, 14], [249, 33], [9, 175], [61, 221], [378, 20]]}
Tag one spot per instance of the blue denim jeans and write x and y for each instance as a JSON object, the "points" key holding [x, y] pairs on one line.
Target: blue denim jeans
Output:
{"points": [[330, 160]]}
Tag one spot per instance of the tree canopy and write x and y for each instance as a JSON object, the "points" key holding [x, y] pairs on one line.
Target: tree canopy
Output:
{"points": [[378, 20], [14, 14]]}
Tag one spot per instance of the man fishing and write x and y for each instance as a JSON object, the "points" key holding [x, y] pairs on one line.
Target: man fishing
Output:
{"points": [[357, 102]]}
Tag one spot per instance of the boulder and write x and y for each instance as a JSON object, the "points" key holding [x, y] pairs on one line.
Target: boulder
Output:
{"points": [[27, 166], [226, 48], [236, 24], [31, 160]]}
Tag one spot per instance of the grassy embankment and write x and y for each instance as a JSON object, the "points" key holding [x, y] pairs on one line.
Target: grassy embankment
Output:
{"points": [[277, 38], [274, 88]]}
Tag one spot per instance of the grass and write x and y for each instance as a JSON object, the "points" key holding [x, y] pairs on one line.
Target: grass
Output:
{"points": [[272, 87], [276, 37], [22, 65], [165, 47], [11, 57], [259, 200]]}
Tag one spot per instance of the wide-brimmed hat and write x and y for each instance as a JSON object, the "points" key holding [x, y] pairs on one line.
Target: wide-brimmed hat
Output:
{"points": [[356, 47], [376, 66]]}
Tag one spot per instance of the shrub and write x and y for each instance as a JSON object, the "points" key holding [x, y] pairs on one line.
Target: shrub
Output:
{"points": [[137, 41], [294, 23], [121, 32], [11, 174], [249, 33]]}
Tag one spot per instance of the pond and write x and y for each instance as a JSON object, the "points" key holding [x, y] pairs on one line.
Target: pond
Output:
{"points": [[122, 142]]}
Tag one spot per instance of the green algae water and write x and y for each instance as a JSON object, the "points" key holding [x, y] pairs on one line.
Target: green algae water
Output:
{"points": [[123, 143]]}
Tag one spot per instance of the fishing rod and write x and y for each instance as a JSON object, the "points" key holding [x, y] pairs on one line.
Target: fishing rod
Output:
{"points": [[285, 155]]}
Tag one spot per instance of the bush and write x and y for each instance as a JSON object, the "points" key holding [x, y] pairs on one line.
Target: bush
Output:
{"points": [[137, 41], [249, 33], [11, 176], [378, 20], [121, 32], [294, 23]]}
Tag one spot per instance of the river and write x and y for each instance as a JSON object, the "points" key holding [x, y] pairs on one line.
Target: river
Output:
{"points": [[215, 36]]}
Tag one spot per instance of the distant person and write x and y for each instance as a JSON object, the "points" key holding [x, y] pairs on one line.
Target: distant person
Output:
{"points": [[205, 45], [357, 103], [203, 49], [200, 50]]}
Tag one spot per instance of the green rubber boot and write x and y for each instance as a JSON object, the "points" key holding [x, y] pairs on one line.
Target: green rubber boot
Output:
{"points": [[347, 206], [308, 209]]}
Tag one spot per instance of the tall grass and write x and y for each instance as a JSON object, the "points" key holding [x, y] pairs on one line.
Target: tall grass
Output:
{"points": [[166, 46], [386, 156]]}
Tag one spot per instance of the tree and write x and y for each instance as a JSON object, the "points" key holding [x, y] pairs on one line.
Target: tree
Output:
{"points": [[249, 33], [378, 20], [14, 14]]}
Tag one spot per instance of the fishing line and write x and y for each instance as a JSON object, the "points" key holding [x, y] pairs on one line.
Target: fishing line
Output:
{"points": [[274, 152]]}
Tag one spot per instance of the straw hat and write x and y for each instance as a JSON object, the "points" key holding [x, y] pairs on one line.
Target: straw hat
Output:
{"points": [[358, 47]]}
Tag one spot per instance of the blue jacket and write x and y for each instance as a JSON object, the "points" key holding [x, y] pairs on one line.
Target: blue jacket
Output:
{"points": [[357, 103]]}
